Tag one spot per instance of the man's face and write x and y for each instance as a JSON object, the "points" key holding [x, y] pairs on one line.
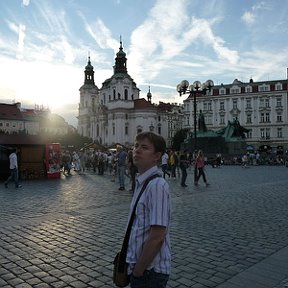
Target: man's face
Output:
{"points": [[144, 155]]}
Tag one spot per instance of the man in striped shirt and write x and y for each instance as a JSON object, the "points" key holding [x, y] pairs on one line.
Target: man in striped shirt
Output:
{"points": [[149, 255]]}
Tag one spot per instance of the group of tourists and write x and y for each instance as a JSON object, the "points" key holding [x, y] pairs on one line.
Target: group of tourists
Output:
{"points": [[119, 163]]}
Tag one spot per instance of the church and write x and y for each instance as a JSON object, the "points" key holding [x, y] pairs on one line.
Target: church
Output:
{"points": [[115, 113]]}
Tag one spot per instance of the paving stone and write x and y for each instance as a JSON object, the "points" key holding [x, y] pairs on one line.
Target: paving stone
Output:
{"points": [[68, 231]]}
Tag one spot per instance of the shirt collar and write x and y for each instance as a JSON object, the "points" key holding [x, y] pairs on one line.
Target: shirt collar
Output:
{"points": [[141, 178]]}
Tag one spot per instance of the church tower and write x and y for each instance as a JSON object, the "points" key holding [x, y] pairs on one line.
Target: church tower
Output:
{"points": [[120, 61], [89, 101], [89, 73]]}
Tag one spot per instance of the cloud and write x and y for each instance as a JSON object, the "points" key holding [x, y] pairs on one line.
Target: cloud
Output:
{"points": [[166, 34], [248, 18], [26, 2], [101, 34], [21, 37]]}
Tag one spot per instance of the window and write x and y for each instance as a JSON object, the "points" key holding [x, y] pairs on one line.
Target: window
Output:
{"points": [[248, 89], [126, 116], [278, 102], [1, 124], [234, 103], [235, 90], [262, 133], [249, 134], [267, 117], [126, 94], [262, 117], [187, 121], [279, 117], [267, 103], [248, 103], [113, 130], [249, 119], [114, 94], [267, 133], [126, 130], [222, 120], [159, 118], [208, 119], [222, 91], [279, 133], [209, 106], [222, 106], [205, 106], [278, 86], [159, 130], [261, 103], [264, 88]]}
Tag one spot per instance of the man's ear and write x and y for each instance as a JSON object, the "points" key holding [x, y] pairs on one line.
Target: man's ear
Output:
{"points": [[158, 156]]}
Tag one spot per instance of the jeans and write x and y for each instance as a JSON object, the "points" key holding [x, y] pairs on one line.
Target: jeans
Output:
{"points": [[121, 175], [164, 170], [201, 173], [150, 279], [184, 176], [13, 176]]}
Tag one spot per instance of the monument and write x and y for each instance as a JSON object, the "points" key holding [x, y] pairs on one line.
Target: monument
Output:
{"points": [[228, 140]]}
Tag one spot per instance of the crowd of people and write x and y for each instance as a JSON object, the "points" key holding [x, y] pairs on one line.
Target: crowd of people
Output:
{"points": [[118, 163]]}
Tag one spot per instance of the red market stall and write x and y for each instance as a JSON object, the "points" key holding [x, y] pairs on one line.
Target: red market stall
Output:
{"points": [[53, 158]]}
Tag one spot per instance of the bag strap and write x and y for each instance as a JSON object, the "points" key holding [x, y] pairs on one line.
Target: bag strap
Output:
{"points": [[124, 248]]}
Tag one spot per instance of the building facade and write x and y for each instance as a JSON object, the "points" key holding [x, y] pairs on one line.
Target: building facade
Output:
{"points": [[115, 113], [16, 119], [261, 107]]}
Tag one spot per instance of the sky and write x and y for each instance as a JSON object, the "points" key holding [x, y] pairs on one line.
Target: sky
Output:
{"points": [[44, 46]]}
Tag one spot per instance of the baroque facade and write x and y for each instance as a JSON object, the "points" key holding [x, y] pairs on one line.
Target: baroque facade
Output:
{"points": [[261, 107], [115, 113]]}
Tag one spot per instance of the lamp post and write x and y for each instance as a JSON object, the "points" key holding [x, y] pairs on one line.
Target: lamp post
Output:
{"points": [[194, 90]]}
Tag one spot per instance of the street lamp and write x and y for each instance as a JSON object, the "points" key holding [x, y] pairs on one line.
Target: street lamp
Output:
{"points": [[194, 90]]}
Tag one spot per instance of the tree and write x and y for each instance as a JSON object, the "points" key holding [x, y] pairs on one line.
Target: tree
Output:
{"points": [[178, 139]]}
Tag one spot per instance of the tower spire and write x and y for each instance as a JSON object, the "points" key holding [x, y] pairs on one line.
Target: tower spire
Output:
{"points": [[149, 95], [120, 60], [89, 72]]}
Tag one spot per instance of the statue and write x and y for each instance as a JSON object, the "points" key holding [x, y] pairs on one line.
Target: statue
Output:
{"points": [[201, 123]]}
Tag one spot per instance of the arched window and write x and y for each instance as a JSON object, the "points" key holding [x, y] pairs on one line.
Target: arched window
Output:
{"points": [[126, 94]]}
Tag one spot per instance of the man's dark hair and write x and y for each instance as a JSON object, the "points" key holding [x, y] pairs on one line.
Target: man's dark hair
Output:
{"points": [[157, 140]]}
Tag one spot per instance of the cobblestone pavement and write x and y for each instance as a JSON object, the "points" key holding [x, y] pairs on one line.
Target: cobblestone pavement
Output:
{"points": [[65, 232]]}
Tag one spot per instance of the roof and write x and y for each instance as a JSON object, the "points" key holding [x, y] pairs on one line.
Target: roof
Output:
{"points": [[143, 104], [10, 112], [20, 139]]}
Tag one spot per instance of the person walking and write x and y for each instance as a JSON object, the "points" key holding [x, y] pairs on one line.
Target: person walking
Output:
{"points": [[149, 253], [173, 163], [13, 165], [200, 165], [184, 163], [121, 166], [164, 164]]}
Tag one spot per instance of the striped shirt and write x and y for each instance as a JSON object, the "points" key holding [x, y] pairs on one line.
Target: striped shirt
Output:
{"points": [[153, 209]]}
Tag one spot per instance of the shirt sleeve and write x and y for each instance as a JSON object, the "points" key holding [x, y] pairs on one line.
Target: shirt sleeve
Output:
{"points": [[159, 202]]}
